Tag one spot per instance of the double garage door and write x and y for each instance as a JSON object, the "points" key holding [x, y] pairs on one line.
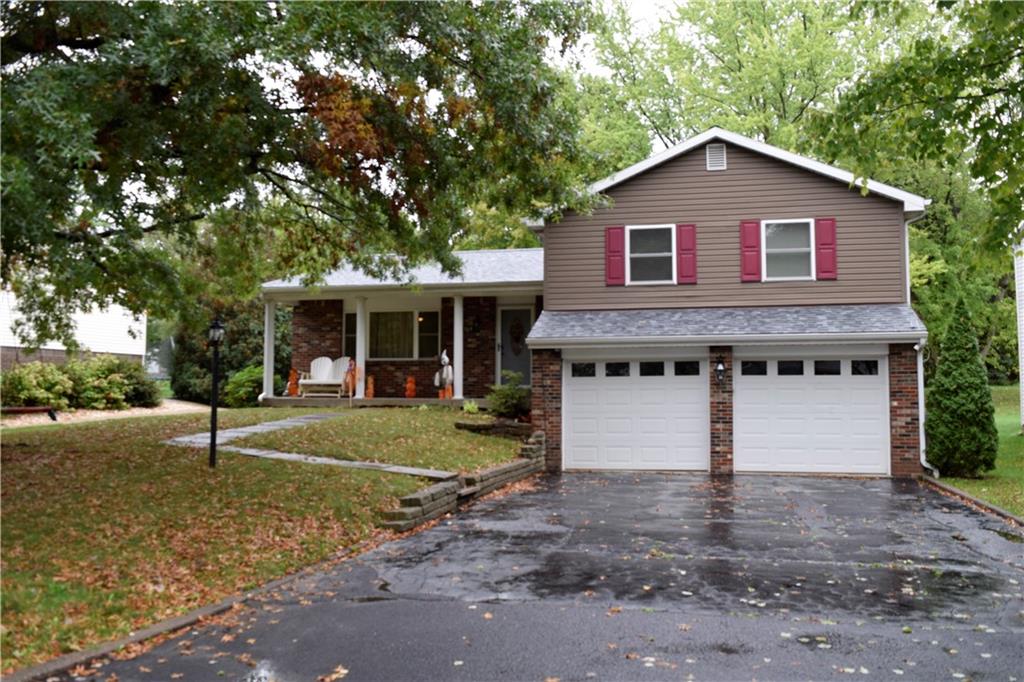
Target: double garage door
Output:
{"points": [[799, 414]]}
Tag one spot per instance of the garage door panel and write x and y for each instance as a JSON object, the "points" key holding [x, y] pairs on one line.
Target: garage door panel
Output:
{"points": [[650, 422], [810, 423]]}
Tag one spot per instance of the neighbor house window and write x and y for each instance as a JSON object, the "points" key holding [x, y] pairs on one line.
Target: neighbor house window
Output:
{"points": [[350, 335], [788, 249], [651, 254], [404, 335]]}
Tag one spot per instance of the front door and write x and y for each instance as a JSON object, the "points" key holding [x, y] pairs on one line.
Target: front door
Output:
{"points": [[513, 355]]}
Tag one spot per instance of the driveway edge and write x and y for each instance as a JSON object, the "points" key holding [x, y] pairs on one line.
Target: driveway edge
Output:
{"points": [[986, 506], [65, 662]]}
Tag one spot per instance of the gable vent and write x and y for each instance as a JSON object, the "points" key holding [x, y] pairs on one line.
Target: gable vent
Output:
{"points": [[716, 157]]}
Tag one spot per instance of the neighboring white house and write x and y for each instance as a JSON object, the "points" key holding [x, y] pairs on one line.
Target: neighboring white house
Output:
{"points": [[106, 332]]}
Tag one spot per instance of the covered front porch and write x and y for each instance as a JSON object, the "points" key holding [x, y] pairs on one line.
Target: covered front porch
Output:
{"points": [[289, 401], [395, 333]]}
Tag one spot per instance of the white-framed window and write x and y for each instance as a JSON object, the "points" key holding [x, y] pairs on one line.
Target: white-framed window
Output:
{"points": [[787, 250], [651, 254], [405, 334]]}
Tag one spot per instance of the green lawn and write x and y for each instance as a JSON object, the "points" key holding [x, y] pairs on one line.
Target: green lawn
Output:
{"points": [[105, 530], [1004, 485], [411, 436]]}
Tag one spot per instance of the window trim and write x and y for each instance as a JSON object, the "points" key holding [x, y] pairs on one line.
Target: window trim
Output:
{"points": [[415, 334], [629, 256], [811, 247]]}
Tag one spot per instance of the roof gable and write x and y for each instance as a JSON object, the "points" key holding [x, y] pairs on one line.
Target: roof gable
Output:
{"points": [[911, 202]]}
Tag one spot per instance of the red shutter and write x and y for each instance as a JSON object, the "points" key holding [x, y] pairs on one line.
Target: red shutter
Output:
{"points": [[615, 256], [750, 251], [825, 248], [686, 254]]}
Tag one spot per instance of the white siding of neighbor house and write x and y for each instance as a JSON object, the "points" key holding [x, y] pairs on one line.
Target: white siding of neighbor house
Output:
{"points": [[99, 331]]}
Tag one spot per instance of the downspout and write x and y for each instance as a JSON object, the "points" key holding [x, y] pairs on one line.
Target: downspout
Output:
{"points": [[919, 347]]}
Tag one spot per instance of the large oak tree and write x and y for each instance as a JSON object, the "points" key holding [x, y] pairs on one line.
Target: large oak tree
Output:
{"points": [[142, 138]]}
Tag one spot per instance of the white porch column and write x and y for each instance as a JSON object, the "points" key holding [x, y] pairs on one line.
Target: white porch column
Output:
{"points": [[361, 325], [269, 314], [457, 347]]}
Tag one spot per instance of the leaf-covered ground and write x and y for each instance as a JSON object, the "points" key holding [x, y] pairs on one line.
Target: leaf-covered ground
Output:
{"points": [[1004, 485], [105, 530], [410, 436]]}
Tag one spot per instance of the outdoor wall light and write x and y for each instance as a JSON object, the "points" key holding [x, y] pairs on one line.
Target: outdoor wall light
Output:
{"points": [[215, 334], [720, 369]]}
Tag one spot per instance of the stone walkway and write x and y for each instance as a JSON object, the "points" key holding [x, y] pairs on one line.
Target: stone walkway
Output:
{"points": [[202, 440]]}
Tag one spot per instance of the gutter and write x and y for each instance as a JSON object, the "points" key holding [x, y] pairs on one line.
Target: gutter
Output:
{"points": [[735, 339], [928, 466]]}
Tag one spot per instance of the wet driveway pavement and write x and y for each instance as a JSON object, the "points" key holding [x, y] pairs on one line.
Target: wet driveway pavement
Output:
{"points": [[647, 576]]}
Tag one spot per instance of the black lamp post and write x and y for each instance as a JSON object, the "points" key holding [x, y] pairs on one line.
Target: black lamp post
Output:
{"points": [[215, 334]]}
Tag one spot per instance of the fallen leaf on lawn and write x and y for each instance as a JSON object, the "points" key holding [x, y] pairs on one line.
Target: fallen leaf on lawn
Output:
{"points": [[613, 610], [228, 638]]}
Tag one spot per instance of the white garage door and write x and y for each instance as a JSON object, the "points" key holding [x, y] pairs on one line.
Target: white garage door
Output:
{"points": [[812, 415], [636, 414]]}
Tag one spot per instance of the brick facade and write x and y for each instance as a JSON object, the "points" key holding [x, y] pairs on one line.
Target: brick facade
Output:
{"points": [[317, 330], [546, 397], [720, 410], [479, 344], [904, 411]]}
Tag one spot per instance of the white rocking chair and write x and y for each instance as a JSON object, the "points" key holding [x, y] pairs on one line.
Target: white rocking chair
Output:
{"points": [[324, 374]]}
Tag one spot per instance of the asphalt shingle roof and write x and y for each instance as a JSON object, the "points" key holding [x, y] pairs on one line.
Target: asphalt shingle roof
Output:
{"points": [[495, 266], [682, 323]]}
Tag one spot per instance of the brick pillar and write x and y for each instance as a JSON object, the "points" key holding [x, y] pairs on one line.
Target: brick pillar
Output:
{"points": [[720, 409], [546, 368], [316, 331], [904, 413]]}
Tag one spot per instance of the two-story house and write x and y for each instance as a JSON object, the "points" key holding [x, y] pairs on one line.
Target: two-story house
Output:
{"points": [[735, 308]]}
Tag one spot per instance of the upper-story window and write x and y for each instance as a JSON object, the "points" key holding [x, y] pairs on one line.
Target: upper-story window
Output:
{"points": [[652, 250], [788, 249]]}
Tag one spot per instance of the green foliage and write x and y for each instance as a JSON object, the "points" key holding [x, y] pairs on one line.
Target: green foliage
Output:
{"points": [[756, 68], [95, 383], [946, 263], [241, 348], [36, 384], [244, 387], [959, 90], [960, 425], [470, 407], [510, 399], [142, 139]]}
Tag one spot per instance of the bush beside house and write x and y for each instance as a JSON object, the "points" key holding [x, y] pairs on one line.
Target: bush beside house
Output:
{"points": [[242, 348], [960, 425], [97, 383], [510, 399]]}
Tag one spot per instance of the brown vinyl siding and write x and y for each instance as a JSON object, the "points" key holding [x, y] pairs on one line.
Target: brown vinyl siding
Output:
{"points": [[869, 237]]}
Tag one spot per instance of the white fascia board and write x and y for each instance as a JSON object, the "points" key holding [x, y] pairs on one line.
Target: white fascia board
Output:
{"points": [[911, 202], [467, 289], [717, 340]]}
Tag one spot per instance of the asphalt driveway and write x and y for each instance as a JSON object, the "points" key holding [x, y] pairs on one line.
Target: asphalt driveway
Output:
{"points": [[647, 576]]}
